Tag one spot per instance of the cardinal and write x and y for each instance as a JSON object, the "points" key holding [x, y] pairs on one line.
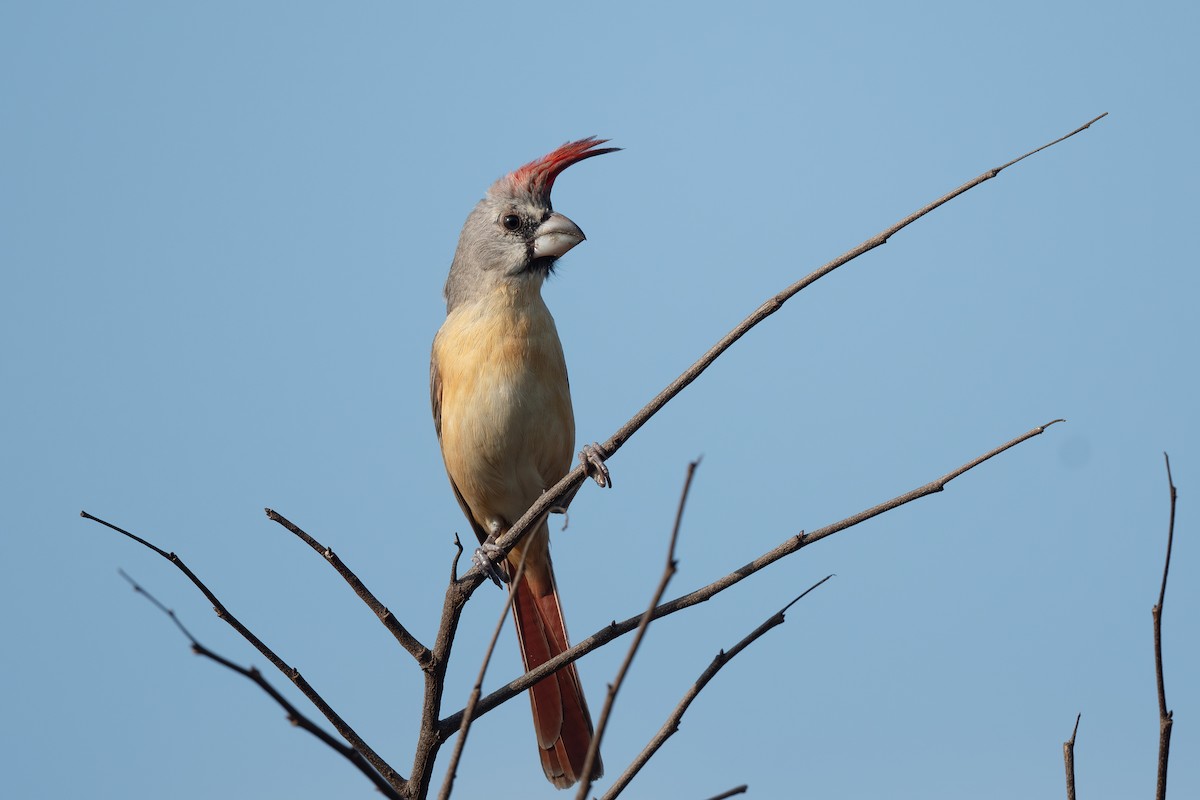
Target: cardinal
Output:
{"points": [[502, 410]]}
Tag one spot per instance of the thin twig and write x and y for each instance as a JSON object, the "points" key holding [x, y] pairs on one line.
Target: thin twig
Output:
{"points": [[555, 495], [293, 714], [735, 790], [458, 551], [586, 779], [672, 724], [1069, 759], [477, 689], [374, 759], [1166, 718], [409, 642], [786, 548]]}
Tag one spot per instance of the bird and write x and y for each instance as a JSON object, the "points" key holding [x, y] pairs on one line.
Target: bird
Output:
{"points": [[503, 415]]}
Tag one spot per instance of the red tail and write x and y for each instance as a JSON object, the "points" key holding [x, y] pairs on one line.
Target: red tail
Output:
{"points": [[560, 715]]}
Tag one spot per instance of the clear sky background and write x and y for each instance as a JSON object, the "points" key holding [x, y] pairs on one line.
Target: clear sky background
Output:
{"points": [[224, 229]]}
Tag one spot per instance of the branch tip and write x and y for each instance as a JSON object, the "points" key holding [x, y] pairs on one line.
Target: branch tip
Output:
{"points": [[997, 170], [800, 596], [1069, 759], [735, 790]]}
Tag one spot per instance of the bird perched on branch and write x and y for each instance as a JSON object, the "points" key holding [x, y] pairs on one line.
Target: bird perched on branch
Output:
{"points": [[502, 409]]}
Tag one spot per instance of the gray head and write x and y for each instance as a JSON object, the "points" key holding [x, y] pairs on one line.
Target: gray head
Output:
{"points": [[514, 234]]}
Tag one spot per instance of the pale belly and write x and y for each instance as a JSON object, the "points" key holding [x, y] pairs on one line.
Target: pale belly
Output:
{"points": [[506, 422]]}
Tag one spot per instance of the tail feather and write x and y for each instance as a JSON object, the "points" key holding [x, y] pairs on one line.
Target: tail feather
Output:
{"points": [[560, 715]]}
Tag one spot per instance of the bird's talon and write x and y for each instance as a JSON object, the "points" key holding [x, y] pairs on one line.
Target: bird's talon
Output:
{"points": [[592, 457], [487, 557]]}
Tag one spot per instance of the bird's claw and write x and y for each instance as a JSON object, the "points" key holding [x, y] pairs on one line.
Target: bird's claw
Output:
{"points": [[592, 458], [488, 557]]}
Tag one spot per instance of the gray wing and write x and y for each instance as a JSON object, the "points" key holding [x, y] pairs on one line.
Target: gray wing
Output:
{"points": [[435, 399]]}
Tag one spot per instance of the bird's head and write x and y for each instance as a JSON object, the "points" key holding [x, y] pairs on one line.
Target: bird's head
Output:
{"points": [[514, 234]]}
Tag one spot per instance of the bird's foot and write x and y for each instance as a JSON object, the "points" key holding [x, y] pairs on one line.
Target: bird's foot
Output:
{"points": [[488, 557], [592, 458]]}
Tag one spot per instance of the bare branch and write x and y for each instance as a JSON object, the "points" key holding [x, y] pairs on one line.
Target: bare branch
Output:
{"points": [[672, 724], [1069, 759], [293, 714], [477, 689], [555, 496], [390, 775], [586, 780], [786, 548], [430, 735], [1165, 717], [409, 642]]}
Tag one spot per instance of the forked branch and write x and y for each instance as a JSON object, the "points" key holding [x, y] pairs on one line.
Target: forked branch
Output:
{"points": [[672, 724], [392, 778], [477, 689], [251, 673], [790, 545]]}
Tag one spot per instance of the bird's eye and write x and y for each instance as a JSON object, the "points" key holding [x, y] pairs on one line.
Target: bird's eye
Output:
{"points": [[511, 222]]}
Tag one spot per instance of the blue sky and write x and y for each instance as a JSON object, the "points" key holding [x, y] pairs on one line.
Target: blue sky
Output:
{"points": [[225, 228]]}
